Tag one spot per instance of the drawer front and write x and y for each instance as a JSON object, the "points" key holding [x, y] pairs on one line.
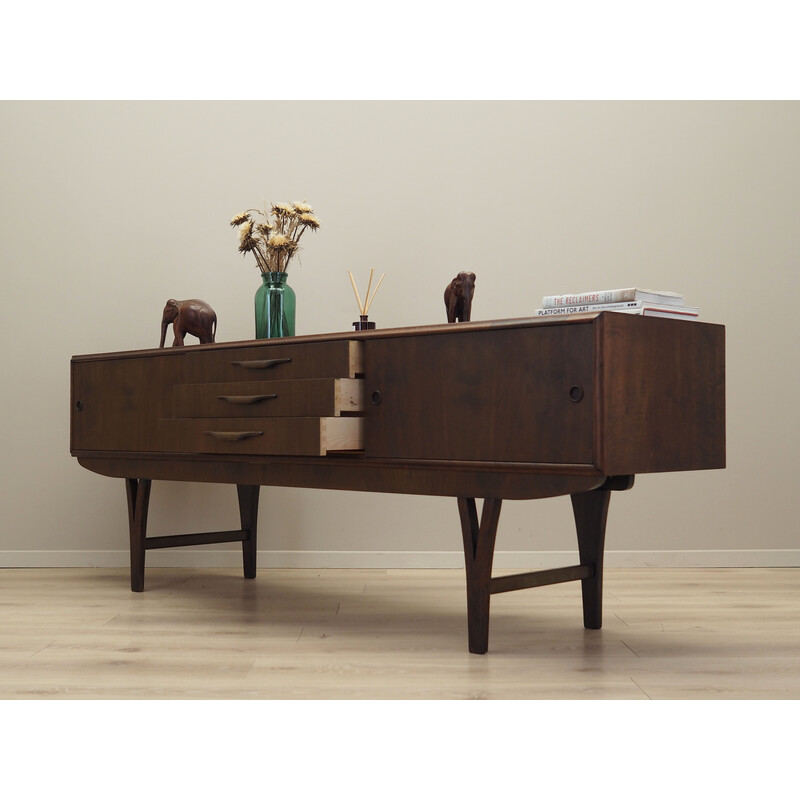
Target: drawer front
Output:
{"points": [[322, 397], [337, 359], [296, 436], [500, 396]]}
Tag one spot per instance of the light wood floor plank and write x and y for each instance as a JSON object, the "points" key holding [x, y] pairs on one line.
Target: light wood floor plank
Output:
{"points": [[394, 634]]}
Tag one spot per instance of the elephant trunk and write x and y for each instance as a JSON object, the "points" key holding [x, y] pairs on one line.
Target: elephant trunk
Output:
{"points": [[467, 308], [163, 333]]}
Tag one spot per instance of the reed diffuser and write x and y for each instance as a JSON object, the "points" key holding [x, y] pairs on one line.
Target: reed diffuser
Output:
{"points": [[363, 323]]}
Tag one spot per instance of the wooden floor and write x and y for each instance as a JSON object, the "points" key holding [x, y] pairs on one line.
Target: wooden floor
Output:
{"points": [[394, 634]]}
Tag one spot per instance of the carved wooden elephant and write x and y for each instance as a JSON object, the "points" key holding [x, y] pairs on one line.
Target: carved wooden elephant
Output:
{"points": [[189, 316], [458, 297]]}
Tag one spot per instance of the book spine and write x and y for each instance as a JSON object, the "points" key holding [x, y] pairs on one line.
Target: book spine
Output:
{"points": [[677, 313], [633, 307], [581, 308], [589, 298]]}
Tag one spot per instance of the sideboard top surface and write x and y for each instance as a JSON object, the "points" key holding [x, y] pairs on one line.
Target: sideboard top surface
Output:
{"points": [[419, 330]]}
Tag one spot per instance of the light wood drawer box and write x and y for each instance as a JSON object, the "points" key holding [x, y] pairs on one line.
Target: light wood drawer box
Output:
{"points": [[320, 397], [336, 359], [280, 436]]}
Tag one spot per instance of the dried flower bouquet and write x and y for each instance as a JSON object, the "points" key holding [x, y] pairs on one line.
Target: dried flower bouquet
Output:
{"points": [[274, 241]]}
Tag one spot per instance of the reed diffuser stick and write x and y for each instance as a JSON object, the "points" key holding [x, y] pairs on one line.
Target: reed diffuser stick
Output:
{"points": [[366, 296], [370, 299], [358, 299]]}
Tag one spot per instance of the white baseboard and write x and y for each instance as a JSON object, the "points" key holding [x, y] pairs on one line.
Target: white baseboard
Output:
{"points": [[396, 559]]}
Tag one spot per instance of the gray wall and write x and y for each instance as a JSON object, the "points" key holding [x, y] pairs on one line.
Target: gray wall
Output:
{"points": [[108, 208]]}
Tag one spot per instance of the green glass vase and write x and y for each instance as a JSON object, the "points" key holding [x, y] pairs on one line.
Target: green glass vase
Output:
{"points": [[275, 307]]}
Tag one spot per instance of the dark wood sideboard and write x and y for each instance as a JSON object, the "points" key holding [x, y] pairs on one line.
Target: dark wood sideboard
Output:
{"points": [[505, 409]]}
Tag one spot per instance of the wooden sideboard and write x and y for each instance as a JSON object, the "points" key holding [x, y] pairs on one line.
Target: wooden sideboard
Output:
{"points": [[505, 409]]}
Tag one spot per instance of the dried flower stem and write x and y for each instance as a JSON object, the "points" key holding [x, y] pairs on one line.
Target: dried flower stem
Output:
{"points": [[276, 240]]}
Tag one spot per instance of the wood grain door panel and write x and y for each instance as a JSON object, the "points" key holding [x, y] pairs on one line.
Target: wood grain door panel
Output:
{"points": [[116, 402], [504, 395]]}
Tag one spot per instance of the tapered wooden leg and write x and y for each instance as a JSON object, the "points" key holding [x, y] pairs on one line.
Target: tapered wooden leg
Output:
{"points": [[591, 512], [248, 513], [479, 542], [138, 491]]}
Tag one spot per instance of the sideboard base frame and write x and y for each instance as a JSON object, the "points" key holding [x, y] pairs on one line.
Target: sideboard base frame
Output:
{"points": [[590, 510]]}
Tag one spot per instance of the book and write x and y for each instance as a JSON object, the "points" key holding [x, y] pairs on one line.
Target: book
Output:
{"points": [[612, 296], [634, 307]]}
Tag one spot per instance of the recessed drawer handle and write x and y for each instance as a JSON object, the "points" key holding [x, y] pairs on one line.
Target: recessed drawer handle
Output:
{"points": [[261, 364], [234, 436], [245, 399]]}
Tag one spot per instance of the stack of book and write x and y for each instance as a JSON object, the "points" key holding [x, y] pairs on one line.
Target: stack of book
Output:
{"points": [[627, 301]]}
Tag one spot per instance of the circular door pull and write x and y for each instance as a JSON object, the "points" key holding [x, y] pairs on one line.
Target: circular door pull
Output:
{"points": [[576, 394]]}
